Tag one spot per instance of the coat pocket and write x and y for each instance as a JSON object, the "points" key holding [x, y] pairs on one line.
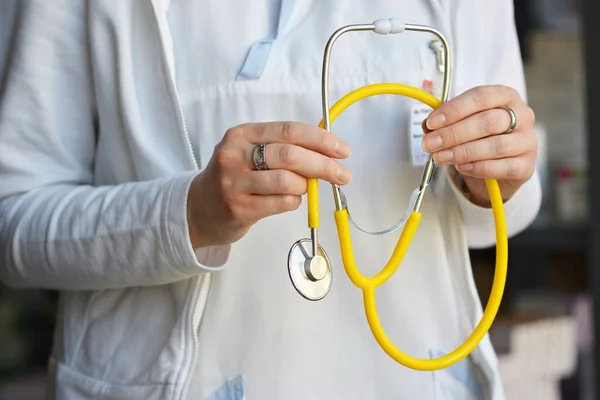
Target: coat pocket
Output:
{"points": [[461, 381], [68, 384], [231, 390]]}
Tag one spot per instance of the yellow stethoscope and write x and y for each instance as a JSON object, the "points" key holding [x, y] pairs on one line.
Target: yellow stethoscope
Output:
{"points": [[311, 272]]}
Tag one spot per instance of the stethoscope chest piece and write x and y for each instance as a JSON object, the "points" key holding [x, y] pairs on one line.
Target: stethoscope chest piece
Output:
{"points": [[310, 275]]}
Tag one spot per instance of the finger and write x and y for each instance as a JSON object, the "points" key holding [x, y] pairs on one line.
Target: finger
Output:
{"points": [[472, 101], [514, 168], [273, 182], [308, 136], [306, 163], [477, 126], [268, 205], [489, 148], [424, 127]]}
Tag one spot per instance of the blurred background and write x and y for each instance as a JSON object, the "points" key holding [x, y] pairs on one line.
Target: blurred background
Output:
{"points": [[545, 332]]}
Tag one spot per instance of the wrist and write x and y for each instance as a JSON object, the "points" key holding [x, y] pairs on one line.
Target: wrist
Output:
{"points": [[473, 193], [475, 190], [472, 189], [194, 233]]}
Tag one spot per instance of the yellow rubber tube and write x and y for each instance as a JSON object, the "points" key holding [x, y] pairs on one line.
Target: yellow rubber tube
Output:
{"points": [[369, 285], [313, 203]]}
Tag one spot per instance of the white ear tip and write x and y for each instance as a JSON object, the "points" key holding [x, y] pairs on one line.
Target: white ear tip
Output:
{"points": [[382, 26], [398, 25]]}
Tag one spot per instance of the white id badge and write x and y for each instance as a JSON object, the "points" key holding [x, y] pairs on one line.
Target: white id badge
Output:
{"points": [[418, 113]]}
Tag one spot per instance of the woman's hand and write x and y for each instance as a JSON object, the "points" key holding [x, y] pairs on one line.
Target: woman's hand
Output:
{"points": [[471, 132], [231, 195]]}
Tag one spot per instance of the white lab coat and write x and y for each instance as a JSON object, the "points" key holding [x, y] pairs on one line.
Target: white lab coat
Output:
{"points": [[107, 112]]}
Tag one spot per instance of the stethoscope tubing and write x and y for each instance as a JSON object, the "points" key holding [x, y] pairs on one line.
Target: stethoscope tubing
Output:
{"points": [[368, 285]]}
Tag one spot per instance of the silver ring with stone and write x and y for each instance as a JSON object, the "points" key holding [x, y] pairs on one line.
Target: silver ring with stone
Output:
{"points": [[259, 157]]}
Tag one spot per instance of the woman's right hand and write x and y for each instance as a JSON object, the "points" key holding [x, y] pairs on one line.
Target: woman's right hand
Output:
{"points": [[230, 195]]}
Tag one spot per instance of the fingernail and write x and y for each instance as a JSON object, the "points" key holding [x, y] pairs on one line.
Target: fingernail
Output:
{"points": [[436, 121], [465, 167], [444, 156], [342, 149], [344, 175], [432, 143]]}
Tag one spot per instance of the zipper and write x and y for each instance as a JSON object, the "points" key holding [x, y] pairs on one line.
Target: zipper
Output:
{"points": [[175, 92], [185, 128], [199, 295]]}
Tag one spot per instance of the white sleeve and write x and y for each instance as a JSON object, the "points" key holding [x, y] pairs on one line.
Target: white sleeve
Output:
{"points": [[487, 53], [57, 230]]}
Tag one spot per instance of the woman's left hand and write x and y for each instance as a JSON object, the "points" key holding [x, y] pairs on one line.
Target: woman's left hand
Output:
{"points": [[472, 133]]}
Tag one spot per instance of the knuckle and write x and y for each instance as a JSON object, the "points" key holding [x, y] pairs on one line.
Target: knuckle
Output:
{"points": [[462, 154], [484, 169], [453, 135], [502, 146], [231, 206], [534, 142], [511, 92], [329, 169], [452, 110], [325, 140], [527, 168], [482, 96], [287, 154], [225, 152], [291, 203], [514, 169], [233, 134], [289, 131], [530, 115], [528, 173], [226, 184], [490, 121], [239, 210], [530, 170], [224, 157], [281, 182]]}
